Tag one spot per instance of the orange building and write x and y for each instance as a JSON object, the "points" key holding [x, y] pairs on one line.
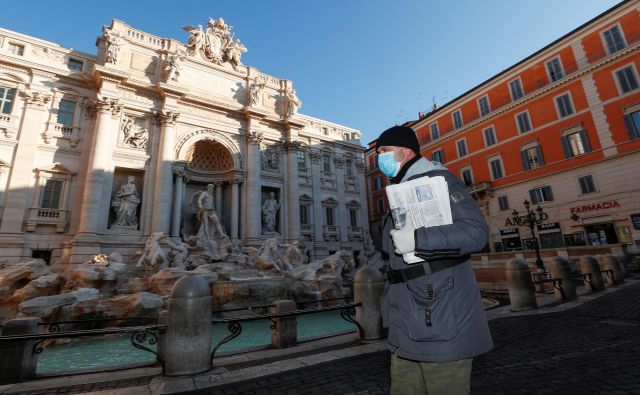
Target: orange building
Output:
{"points": [[560, 129]]}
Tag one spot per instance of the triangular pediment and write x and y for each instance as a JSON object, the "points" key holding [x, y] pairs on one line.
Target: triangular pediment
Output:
{"points": [[55, 168]]}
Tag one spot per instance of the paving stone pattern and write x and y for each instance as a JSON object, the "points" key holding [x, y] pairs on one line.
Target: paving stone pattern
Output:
{"points": [[591, 349]]}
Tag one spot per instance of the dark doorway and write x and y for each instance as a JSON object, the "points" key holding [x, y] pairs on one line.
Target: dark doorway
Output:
{"points": [[45, 255]]}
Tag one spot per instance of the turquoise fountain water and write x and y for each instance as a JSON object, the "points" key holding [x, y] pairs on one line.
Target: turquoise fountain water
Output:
{"points": [[103, 353]]}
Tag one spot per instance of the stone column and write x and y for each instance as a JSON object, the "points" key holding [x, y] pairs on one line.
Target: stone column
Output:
{"points": [[218, 188], [18, 187], [177, 203], [341, 211], [164, 173], [318, 211], [235, 197], [362, 192], [293, 194], [253, 225], [100, 163]]}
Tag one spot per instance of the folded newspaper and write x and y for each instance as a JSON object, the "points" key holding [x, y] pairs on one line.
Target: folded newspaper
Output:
{"points": [[423, 202]]}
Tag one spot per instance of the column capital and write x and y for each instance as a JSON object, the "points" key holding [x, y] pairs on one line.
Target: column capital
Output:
{"points": [[291, 146], [339, 162], [178, 172], [218, 184], [360, 166], [236, 180], [254, 137], [166, 118], [35, 99], [105, 105], [315, 156]]}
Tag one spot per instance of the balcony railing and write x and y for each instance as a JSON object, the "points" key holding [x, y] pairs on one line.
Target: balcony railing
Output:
{"points": [[306, 228], [47, 216]]}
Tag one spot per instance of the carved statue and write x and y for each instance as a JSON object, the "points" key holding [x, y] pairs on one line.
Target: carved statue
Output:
{"points": [[255, 89], [125, 203], [113, 45], [153, 254], [196, 39], [329, 268], [234, 51], [173, 67], [134, 135], [292, 256], [293, 103], [270, 208], [267, 257], [209, 223], [215, 43]]}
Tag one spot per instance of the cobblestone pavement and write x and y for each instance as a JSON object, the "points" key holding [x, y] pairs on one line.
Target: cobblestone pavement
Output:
{"points": [[591, 349]]}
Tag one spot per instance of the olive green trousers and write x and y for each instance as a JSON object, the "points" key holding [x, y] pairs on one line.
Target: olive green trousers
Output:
{"points": [[432, 378]]}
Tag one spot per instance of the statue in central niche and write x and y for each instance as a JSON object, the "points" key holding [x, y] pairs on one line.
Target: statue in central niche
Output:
{"points": [[209, 222]]}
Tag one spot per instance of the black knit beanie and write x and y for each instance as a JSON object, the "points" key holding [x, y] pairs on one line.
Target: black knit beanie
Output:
{"points": [[399, 136]]}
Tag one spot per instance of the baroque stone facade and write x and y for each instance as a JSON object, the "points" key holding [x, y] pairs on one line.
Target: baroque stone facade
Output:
{"points": [[97, 152]]}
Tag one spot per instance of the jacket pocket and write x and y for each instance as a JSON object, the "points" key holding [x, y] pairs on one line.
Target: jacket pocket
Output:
{"points": [[431, 315]]}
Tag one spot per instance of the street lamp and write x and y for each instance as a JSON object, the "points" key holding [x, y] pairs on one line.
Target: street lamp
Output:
{"points": [[531, 218]]}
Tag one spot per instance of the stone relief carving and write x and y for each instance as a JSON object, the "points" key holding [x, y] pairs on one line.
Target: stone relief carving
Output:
{"points": [[271, 158], [45, 52], [134, 135], [103, 104], [173, 66], [114, 45], [255, 137], [216, 43], [169, 118], [125, 204]]}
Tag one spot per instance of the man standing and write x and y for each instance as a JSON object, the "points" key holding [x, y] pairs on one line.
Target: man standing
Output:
{"points": [[270, 208], [433, 308]]}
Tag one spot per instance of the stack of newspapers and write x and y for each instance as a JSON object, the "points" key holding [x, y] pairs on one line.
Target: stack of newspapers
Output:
{"points": [[421, 202]]}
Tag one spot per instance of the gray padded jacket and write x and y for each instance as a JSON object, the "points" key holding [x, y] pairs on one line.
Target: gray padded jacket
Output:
{"points": [[458, 326]]}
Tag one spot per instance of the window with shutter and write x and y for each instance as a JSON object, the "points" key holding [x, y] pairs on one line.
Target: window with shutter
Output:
{"points": [[627, 80], [632, 122]]}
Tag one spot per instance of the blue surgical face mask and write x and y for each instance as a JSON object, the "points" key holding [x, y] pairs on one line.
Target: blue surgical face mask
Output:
{"points": [[387, 164]]}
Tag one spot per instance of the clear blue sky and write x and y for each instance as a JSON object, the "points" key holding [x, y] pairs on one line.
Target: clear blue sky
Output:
{"points": [[366, 64]]}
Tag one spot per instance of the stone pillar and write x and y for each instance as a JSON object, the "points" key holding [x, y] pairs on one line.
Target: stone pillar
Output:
{"points": [[235, 205], [362, 192], [293, 192], [522, 293], [218, 188], [611, 262], [187, 342], [177, 203], [18, 195], [252, 201], [86, 242], [285, 330], [591, 271], [342, 213], [18, 361], [318, 211], [163, 194], [559, 268], [367, 289]]}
